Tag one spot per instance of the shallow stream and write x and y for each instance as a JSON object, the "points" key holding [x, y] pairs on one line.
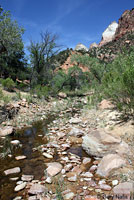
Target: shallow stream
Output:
{"points": [[34, 162]]}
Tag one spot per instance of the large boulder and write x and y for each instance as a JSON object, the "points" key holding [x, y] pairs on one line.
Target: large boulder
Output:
{"points": [[109, 163], [125, 189], [80, 47], [109, 34], [99, 143]]}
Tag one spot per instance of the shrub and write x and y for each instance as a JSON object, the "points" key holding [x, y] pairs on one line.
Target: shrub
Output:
{"points": [[8, 84], [42, 91], [118, 83]]}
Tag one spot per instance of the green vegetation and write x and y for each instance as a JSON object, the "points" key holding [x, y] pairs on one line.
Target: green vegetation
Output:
{"points": [[8, 84], [111, 80]]}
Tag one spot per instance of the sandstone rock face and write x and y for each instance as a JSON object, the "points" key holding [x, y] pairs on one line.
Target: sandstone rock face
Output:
{"points": [[80, 47], [126, 24], [109, 163], [109, 34], [99, 143]]}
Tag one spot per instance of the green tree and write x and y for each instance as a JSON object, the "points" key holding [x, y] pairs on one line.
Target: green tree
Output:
{"points": [[42, 58], [12, 56]]}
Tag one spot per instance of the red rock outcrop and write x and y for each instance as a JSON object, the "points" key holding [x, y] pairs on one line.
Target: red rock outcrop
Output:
{"points": [[68, 64], [126, 24]]}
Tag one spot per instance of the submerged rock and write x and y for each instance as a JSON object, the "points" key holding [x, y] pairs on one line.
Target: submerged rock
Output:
{"points": [[20, 187], [15, 142], [27, 178], [12, 171], [20, 157]]}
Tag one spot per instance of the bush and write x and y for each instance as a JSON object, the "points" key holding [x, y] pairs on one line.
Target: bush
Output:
{"points": [[8, 84], [118, 83], [42, 91]]}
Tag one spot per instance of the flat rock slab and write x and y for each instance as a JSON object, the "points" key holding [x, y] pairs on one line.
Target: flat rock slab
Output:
{"points": [[124, 191], [99, 143], [109, 163], [53, 168], [12, 171], [20, 187], [20, 157], [37, 189]]}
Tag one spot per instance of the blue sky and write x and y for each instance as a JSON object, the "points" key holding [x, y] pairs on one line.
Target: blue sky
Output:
{"points": [[75, 21]]}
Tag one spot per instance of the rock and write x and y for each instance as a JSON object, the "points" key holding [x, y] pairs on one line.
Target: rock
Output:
{"points": [[115, 182], [75, 131], [99, 143], [48, 180], [12, 171], [123, 190], [68, 167], [27, 178], [15, 142], [91, 198], [32, 198], [20, 157], [93, 45], [93, 168], [20, 187], [74, 121], [86, 161], [62, 95], [126, 24], [17, 198], [87, 174], [69, 196], [6, 131], [109, 163], [47, 155], [37, 189], [80, 47], [109, 34], [53, 168], [14, 179], [72, 178], [19, 182], [105, 104], [61, 134], [105, 187]]}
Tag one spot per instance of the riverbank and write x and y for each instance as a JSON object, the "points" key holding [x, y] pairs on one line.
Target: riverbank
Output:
{"points": [[73, 169]]}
